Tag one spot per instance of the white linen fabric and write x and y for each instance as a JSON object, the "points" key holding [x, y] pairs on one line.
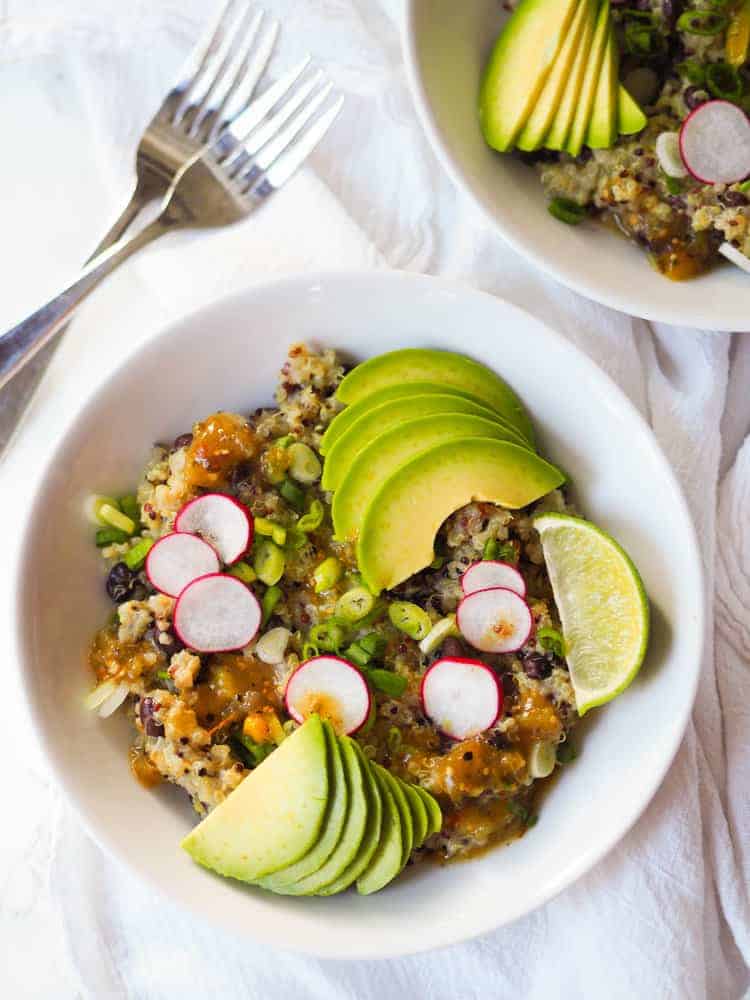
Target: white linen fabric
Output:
{"points": [[667, 913]]}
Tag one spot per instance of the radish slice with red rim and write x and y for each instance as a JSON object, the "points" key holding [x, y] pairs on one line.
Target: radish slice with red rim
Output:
{"points": [[736, 256], [221, 521], [332, 688], [177, 559], [715, 143], [495, 620], [217, 614], [492, 573], [462, 697]]}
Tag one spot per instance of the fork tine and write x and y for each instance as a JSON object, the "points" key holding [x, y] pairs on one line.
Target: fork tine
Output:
{"points": [[254, 113], [289, 161], [252, 69], [248, 23], [269, 128], [200, 65], [288, 133]]}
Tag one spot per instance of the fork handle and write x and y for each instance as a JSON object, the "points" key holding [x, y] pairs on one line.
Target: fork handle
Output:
{"points": [[143, 193], [19, 344]]}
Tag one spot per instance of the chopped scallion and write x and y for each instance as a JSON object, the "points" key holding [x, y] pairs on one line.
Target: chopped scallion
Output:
{"points": [[135, 558]]}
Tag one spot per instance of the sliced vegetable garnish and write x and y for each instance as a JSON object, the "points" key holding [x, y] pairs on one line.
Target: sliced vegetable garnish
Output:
{"points": [[491, 573], [702, 22], [327, 574], [293, 495], [110, 536], [565, 210], [177, 559], [355, 604], [136, 557], [313, 519], [410, 619], [271, 599], [304, 464], [92, 507], [221, 521], [386, 681], [542, 758], [496, 620], [108, 514], [271, 647], [551, 640], [269, 561], [715, 143], [243, 572], [216, 614], [439, 632], [724, 81], [332, 688], [461, 696], [668, 154]]}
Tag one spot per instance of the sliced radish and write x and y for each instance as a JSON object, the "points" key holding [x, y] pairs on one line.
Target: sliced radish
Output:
{"points": [[715, 143], [332, 688], [495, 620], [216, 614], [736, 256], [222, 521], [668, 154], [178, 559], [462, 697], [491, 573]]}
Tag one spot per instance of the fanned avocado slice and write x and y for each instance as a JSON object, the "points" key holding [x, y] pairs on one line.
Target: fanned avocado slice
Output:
{"points": [[343, 420], [523, 57], [602, 130], [630, 118], [434, 813], [566, 110], [333, 825], [274, 817], [579, 128], [399, 527], [454, 371], [418, 812], [385, 863], [383, 456], [540, 119], [407, 824], [363, 432], [371, 838], [352, 834]]}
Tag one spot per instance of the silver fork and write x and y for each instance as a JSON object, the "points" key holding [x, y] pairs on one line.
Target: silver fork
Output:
{"points": [[257, 154], [219, 83]]}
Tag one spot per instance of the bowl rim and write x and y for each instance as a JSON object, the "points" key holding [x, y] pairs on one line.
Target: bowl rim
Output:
{"points": [[709, 320], [294, 284]]}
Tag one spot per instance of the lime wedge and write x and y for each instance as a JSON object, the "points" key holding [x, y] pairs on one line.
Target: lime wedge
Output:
{"points": [[603, 607]]}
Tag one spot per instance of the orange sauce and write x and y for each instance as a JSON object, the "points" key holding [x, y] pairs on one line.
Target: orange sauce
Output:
{"points": [[110, 658], [234, 683], [325, 706], [220, 443], [146, 772]]}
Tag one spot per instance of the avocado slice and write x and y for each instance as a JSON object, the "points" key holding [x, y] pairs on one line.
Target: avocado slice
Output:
{"points": [[383, 418], [274, 817], [579, 128], [407, 824], [371, 838], [385, 863], [399, 527], [563, 120], [333, 825], [602, 130], [540, 119], [352, 834], [521, 61], [343, 420], [380, 459], [630, 118], [454, 371], [418, 809], [434, 813]]}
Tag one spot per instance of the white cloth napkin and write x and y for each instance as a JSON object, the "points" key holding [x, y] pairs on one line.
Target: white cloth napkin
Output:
{"points": [[667, 913]]}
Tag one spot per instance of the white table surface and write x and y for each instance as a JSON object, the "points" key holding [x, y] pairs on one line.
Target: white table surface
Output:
{"points": [[77, 79]]}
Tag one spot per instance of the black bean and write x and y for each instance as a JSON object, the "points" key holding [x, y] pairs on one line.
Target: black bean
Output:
{"points": [[121, 583], [151, 725], [509, 684], [536, 666], [183, 441], [733, 198]]}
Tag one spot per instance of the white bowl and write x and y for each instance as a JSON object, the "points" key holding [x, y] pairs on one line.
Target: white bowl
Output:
{"points": [[446, 45], [227, 356]]}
